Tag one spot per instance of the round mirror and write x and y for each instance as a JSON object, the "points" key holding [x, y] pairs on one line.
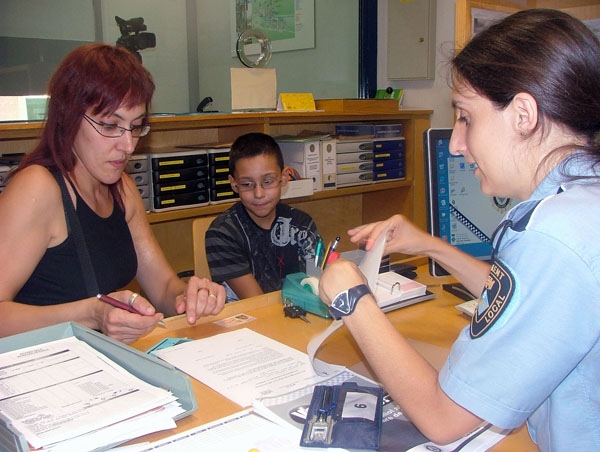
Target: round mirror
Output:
{"points": [[253, 48]]}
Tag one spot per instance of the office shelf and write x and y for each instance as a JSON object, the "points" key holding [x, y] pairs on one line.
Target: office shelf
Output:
{"points": [[334, 211]]}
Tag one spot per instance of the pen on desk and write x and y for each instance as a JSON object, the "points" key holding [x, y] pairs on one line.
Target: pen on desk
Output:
{"points": [[318, 251], [118, 304]]}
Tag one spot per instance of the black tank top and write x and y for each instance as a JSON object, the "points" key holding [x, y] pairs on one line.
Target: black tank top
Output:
{"points": [[58, 278]]}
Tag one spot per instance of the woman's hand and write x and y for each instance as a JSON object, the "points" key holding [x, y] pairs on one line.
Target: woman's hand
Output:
{"points": [[125, 326], [338, 276], [201, 297], [402, 236]]}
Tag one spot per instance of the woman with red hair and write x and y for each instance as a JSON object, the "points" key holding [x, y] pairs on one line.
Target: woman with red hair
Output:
{"points": [[74, 180]]}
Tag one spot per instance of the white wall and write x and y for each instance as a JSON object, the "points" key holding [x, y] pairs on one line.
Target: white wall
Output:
{"points": [[166, 18], [167, 62], [329, 70], [73, 20], [423, 94]]}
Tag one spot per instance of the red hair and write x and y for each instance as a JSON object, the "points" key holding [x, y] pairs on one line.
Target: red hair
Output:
{"points": [[97, 76]]}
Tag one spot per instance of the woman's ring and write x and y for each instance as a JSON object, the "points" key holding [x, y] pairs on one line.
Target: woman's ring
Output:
{"points": [[212, 294], [132, 298]]}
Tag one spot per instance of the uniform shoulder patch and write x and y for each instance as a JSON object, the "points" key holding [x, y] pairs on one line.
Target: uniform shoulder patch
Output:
{"points": [[496, 295]]}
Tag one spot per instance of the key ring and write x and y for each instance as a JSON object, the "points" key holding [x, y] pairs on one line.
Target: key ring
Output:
{"points": [[288, 302]]}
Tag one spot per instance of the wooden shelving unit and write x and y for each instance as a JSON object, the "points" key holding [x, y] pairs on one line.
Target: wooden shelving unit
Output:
{"points": [[334, 211]]}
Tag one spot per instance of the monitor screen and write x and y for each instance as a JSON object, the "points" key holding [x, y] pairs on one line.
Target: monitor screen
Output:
{"points": [[457, 210]]}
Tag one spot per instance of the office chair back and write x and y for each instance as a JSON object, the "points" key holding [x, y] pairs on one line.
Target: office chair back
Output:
{"points": [[199, 227]]}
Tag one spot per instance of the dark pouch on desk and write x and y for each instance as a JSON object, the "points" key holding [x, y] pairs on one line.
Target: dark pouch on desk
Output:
{"points": [[346, 416]]}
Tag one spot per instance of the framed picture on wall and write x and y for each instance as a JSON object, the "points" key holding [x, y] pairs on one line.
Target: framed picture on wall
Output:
{"points": [[474, 15], [482, 18], [289, 24], [594, 25]]}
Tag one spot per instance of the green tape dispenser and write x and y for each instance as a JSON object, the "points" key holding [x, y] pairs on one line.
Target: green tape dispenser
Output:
{"points": [[303, 290]]}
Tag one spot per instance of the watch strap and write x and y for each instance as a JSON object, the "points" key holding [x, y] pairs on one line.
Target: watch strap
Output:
{"points": [[354, 295]]}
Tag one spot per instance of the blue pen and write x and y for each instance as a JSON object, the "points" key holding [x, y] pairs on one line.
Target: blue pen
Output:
{"points": [[335, 244]]}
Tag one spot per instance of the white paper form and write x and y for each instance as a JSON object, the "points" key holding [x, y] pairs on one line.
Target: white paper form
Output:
{"points": [[62, 389], [243, 365], [240, 432], [369, 265]]}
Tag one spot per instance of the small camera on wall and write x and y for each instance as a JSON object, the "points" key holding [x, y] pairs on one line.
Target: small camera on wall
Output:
{"points": [[133, 37]]}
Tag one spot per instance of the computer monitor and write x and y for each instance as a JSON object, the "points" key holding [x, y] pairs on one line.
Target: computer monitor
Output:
{"points": [[457, 210]]}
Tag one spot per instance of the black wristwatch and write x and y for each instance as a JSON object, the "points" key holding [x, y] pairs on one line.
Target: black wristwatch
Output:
{"points": [[345, 302]]}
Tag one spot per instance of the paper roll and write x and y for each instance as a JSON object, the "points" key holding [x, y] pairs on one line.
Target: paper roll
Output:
{"points": [[311, 284]]}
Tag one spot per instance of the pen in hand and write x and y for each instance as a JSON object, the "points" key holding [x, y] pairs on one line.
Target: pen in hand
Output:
{"points": [[118, 304]]}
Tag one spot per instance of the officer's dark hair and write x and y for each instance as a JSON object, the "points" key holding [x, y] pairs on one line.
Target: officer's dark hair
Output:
{"points": [[547, 53]]}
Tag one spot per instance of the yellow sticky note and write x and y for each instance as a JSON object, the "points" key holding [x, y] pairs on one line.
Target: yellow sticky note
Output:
{"points": [[296, 102]]}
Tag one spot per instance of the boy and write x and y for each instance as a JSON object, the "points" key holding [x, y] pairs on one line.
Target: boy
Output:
{"points": [[254, 244]]}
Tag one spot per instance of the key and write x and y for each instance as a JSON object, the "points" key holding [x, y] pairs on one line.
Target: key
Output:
{"points": [[295, 312], [320, 429]]}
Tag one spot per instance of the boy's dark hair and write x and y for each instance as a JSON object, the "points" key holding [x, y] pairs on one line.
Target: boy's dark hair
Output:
{"points": [[251, 145]]}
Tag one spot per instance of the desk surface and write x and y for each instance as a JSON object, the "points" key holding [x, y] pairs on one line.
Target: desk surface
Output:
{"points": [[435, 322]]}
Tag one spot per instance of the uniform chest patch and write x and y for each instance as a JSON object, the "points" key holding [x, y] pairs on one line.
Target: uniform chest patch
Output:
{"points": [[497, 293]]}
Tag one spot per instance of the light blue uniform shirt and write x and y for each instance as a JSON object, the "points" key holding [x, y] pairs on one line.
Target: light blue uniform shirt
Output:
{"points": [[536, 356]]}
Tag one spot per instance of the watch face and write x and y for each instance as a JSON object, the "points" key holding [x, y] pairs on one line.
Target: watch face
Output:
{"points": [[341, 303]]}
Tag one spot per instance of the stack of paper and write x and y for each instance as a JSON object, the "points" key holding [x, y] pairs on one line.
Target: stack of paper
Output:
{"points": [[63, 395], [242, 431], [393, 288]]}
